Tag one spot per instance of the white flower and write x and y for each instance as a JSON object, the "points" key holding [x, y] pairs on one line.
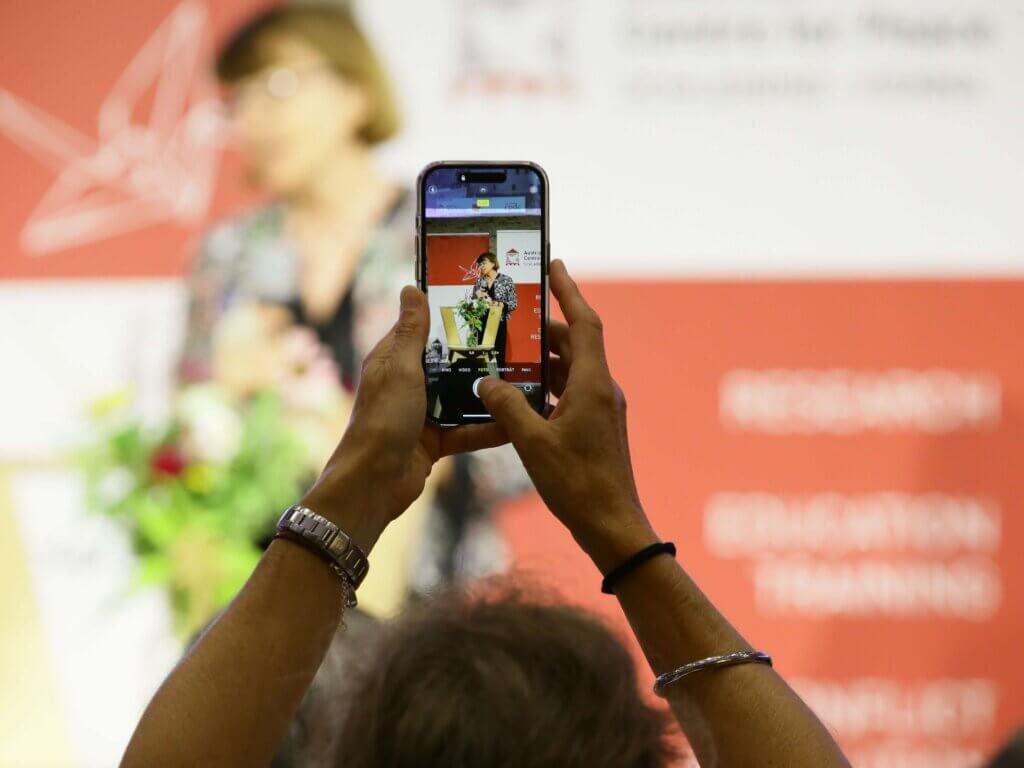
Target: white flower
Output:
{"points": [[212, 425], [115, 485]]}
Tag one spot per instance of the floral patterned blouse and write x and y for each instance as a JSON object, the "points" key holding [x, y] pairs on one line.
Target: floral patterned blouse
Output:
{"points": [[503, 289], [252, 258]]}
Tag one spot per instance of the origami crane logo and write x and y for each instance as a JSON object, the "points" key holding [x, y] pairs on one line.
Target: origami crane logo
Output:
{"points": [[145, 166], [471, 273]]}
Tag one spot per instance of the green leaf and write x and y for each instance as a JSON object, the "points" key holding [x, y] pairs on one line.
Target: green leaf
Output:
{"points": [[158, 524], [153, 570]]}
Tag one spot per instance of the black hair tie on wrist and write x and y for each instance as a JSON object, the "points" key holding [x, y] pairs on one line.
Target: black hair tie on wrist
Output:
{"points": [[641, 557]]}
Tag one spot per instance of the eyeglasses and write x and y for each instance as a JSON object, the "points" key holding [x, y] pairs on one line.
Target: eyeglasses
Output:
{"points": [[278, 83]]}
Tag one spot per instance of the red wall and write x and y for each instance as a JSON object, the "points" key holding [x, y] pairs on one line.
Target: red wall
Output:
{"points": [[670, 346]]}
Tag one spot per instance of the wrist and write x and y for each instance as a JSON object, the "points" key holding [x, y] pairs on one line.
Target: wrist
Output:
{"points": [[363, 517], [611, 544], [359, 523]]}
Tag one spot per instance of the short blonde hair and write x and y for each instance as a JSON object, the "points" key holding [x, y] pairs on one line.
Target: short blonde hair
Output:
{"points": [[333, 32]]}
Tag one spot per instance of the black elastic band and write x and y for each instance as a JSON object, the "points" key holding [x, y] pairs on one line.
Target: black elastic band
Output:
{"points": [[645, 554]]}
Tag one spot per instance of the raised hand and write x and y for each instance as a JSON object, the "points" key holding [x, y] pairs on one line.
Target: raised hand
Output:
{"points": [[382, 462], [578, 457]]}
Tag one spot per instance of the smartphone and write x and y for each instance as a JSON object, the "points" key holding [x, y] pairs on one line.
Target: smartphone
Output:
{"points": [[482, 258]]}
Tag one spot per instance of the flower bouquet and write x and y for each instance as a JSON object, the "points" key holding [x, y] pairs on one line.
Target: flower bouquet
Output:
{"points": [[199, 493]]}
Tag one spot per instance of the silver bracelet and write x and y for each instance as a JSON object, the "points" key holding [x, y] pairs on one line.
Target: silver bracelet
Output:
{"points": [[726, 660]]}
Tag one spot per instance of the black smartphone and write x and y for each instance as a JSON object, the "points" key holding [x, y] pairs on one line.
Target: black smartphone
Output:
{"points": [[482, 259]]}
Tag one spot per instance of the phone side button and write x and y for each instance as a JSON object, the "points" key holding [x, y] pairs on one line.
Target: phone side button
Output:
{"points": [[416, 263]]}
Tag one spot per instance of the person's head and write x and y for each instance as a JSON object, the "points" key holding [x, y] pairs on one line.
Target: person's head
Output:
{"points": [[305, 85], [503, 681], [487, 262], [1011, 755]]}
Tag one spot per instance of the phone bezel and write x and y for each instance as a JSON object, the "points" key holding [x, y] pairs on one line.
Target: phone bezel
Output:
{"points": [[421, 255]]}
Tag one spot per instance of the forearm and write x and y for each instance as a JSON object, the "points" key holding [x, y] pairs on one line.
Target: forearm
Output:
{"points": [[733, 716], [230, 701], [231, 698]]}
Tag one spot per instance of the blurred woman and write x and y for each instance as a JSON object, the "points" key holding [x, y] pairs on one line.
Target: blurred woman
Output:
{"points": [[309, 102]]}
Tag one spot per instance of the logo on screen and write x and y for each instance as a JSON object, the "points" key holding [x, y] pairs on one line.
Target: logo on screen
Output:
{"points": [[470, 273], [511, 258]]}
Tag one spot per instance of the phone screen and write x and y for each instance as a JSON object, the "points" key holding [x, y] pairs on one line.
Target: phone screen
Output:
{"points": [[483, 265]]}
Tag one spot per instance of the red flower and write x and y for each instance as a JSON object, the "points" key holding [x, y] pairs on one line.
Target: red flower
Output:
{"points": [[167, 460]]}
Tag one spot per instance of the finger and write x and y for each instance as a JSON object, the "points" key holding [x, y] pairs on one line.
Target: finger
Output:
{"points": [[408, 320], [509, 408], [405, 341], [570, 300], [474, 437], [558, 339], [558, 375], [584, 323], [413, 325]]}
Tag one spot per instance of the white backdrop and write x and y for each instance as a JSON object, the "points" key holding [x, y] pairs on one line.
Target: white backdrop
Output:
{"points": [[736, 138]]}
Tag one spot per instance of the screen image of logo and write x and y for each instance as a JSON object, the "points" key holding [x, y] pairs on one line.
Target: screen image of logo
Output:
{"points": [[471, 273], [511, 258]]}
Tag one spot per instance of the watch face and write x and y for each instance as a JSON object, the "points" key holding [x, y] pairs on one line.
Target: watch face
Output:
{"points": [[340, 543], [321, 535]]}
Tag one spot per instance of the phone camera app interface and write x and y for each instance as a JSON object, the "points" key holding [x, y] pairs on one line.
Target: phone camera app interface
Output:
{"points": [[483, 236]]}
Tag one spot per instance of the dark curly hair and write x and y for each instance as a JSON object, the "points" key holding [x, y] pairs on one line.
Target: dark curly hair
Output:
{"points": [[488, 256]]}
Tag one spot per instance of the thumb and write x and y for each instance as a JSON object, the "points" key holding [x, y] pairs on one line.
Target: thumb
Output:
{"points": [[509, 408], [413, 324]]}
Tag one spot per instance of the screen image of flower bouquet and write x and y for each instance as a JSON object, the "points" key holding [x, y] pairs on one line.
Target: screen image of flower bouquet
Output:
{"points": [[198, 494], [473, 313]]}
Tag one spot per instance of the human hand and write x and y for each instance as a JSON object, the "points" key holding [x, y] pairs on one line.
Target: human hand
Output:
{"points": [[481, 293], [578, 458], [382, 462]]}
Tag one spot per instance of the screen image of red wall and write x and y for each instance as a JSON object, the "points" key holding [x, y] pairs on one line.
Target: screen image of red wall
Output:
{"points": [[451, 263]]}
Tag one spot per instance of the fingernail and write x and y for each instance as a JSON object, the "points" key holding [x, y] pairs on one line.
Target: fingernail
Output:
{"points": [[487, 384]]}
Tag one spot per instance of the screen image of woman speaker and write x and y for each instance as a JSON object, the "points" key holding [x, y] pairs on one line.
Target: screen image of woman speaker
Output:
{"points": [[494, 286]]}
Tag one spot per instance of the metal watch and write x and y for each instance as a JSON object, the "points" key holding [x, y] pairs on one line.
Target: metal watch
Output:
{"points": [[327, 540]]}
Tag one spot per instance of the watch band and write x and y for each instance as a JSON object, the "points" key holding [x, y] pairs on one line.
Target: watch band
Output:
{"points": [[318, 534]]}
